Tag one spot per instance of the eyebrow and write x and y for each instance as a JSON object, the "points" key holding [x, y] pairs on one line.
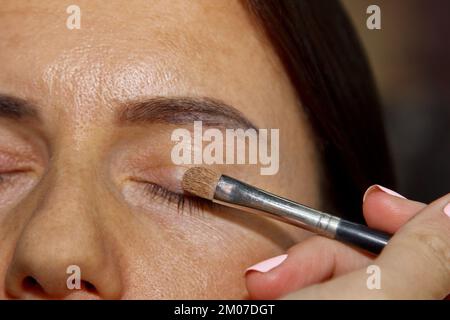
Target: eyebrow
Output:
{"points": [[169, 110], [184, 110], [16, 108]]}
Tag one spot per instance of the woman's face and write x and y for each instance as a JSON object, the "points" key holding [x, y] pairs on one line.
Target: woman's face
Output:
{"points": [[81, 148]]}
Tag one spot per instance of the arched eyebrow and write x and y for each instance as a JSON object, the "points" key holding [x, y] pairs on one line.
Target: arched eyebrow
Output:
{"points": [[184, 111], [170, 110], [17, 108]]}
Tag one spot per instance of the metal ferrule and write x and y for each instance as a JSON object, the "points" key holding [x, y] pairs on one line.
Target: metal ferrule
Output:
{"points": [[238, 194]]}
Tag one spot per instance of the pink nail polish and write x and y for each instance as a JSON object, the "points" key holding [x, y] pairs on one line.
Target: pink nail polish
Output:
{"points": [[267, 265], [447, 209], [384, 189], [389, 191]]}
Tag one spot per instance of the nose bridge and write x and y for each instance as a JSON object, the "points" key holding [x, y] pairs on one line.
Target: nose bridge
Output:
{"points": [[68, 202], [65, 205], [71, 185], [69, 191], [64, 230]]}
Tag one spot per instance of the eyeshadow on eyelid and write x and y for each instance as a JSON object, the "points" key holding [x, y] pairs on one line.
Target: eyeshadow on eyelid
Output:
{"points": [[168, 177]]}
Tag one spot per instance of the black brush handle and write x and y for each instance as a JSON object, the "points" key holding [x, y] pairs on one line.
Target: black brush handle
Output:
{"points": [[362, 236]]}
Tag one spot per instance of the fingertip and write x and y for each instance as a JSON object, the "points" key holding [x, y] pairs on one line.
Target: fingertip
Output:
{"points": [[265, 285], [386, 209], [379, 188]]}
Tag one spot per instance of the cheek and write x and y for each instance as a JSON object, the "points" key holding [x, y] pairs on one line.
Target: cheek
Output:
{"points": [[181, 256]]}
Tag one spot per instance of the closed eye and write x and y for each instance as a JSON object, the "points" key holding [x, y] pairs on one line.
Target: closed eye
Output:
{"points": [[183, 202], [6, 178]]}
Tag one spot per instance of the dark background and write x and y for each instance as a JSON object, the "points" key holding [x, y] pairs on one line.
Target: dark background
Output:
{"points": [[410, 58]]}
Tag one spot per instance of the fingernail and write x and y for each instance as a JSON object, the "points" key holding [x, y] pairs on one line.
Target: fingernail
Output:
{"points": [[384, 189], [447, 209], [269, 264]]}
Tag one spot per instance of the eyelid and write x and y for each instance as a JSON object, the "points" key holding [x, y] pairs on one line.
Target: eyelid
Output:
{"points": [[15, 163], [168, 177], [163, 184]]}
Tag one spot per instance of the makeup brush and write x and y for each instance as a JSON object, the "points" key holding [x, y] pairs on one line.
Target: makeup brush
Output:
{"points": [[211, 185]]}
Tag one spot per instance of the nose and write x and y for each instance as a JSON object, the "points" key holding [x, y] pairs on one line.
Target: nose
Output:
{"points": [[63, 249]]}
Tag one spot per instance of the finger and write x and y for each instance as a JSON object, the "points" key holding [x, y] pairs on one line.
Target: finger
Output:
{"points": [[420, 253], [387, 210], [318, 259], [313, 260], [414, 265]]}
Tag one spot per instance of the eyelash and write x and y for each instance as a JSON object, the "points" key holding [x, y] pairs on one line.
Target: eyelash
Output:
{"points": [[184, 203]]}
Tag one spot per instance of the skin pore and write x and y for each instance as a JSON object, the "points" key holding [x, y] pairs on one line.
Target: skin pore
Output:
{"points": [[74, 186]]}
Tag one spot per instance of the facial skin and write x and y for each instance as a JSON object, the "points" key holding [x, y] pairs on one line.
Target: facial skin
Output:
{"points": [[73, 189]]}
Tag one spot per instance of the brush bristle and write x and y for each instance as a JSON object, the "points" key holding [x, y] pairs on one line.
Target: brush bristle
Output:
{"points": [[201, 182]]}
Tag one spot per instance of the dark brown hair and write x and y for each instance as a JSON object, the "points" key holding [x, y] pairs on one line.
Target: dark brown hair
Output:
{"points": [[328, 68]]}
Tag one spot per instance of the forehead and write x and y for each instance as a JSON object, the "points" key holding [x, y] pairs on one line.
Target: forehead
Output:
{"points": [[125, 50]]}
